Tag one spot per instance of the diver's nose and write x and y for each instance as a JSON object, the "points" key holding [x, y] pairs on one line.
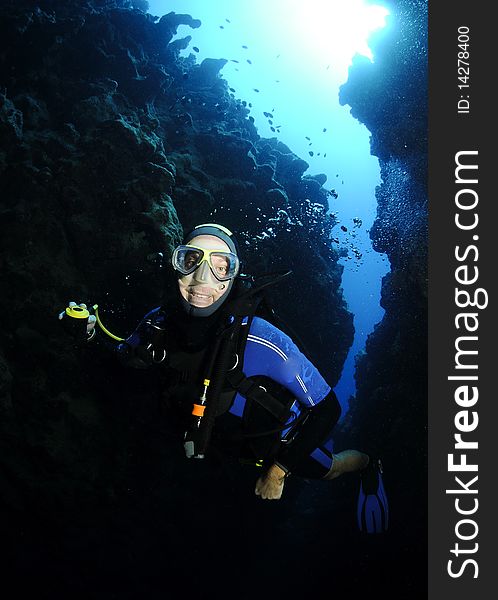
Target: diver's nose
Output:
{"points": [[203, 274]]}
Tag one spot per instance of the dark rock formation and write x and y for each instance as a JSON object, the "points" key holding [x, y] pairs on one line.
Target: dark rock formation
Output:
{"points": [[390, 408], [111, 145]]}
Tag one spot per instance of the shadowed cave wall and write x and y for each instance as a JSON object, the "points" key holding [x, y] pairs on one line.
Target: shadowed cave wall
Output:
{"points": [[390, 408]]}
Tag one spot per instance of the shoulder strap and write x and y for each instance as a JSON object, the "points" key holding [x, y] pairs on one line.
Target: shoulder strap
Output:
{"points": [[252, 391]]}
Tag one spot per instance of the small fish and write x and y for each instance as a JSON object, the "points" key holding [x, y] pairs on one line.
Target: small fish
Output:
{"points": [[249, 61], [270, 121], [195, 49], [231, 89], [307, 138], [344, 228], [235, 61], [324, 129], [222, 27], [311, 153], [228, 20], [272, 128], [325, 155], [267, 114], [244, 47], [256, 90]]}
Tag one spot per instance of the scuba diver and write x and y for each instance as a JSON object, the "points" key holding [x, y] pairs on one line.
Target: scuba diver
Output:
{"points": [[235, 379]]}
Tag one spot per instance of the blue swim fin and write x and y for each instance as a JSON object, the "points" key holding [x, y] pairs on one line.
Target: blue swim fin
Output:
{"points": [[373, 508]]}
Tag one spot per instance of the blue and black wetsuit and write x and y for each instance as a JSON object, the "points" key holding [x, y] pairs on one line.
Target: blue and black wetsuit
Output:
{"points": [[270, 358]]}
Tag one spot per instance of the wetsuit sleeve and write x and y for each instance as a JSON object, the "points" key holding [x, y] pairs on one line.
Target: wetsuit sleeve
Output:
{"points": [[319, 423], [136, 350], [272, 353]]}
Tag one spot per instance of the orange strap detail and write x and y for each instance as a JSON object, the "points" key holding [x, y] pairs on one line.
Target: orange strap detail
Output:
{"points": [[198, 410]]}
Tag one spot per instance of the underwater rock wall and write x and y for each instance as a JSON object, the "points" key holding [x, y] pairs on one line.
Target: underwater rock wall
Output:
{"points": [[389, 413], [127, 141], [111, 146]]}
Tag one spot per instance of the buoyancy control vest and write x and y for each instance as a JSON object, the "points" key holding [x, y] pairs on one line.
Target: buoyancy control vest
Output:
{"points": [[210, 352]]}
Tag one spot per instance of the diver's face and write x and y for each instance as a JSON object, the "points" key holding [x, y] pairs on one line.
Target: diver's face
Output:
{"points": [[201, 288]]}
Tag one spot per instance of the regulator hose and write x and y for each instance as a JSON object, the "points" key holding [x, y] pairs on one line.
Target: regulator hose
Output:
{"points": [[106, 331]]}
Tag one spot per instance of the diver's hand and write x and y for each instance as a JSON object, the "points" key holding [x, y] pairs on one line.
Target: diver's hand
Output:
{"points": [[270, 486], [92, 319]]}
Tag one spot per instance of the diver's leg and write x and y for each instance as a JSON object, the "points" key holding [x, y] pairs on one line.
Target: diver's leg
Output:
{"points": [[346, 461]]}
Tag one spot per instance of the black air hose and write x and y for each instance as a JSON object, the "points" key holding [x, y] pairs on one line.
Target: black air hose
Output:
{"points": [[218, 372]]}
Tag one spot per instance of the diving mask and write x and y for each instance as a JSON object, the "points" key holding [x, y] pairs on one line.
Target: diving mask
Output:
{"points": [[223, 265]]}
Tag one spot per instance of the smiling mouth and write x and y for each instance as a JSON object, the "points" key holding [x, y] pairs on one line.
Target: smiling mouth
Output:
{"points": [[199, 298]]}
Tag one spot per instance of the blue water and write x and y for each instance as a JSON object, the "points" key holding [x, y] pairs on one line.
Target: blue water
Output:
{"points": [[282, 60]]}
